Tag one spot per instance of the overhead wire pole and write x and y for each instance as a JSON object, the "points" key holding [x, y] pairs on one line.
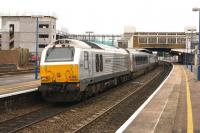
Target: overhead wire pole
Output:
{"points": [[198, 51], [36, 45]]}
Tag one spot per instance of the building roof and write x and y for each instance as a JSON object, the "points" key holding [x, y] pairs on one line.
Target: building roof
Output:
{"points": [[31, 16], [51, 15]]}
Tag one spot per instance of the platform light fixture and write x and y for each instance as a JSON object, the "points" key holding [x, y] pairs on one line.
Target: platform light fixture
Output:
{"points": [[196, 9]]}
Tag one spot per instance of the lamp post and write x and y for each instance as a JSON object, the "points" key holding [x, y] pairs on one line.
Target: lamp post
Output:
{"points": [[198, 51], [36, 48], [36, 44]]}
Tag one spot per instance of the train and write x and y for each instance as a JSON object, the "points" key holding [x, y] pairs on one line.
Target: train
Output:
{"points": [[71, 70]]}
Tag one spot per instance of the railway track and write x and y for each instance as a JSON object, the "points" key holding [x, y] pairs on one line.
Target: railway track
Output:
{"points": [[20, 122], [111, 114], [111, 118]]}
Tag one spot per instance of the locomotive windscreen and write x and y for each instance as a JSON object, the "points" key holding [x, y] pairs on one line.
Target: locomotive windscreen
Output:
{"points": [[58, 54]]}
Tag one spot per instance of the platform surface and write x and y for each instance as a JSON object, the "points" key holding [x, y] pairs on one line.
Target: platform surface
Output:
{"points": [[175, 108], [13, 79], [12, 84]]}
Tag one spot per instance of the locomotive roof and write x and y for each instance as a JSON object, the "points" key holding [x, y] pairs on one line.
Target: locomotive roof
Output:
{"points": [[93, 45], [69, 42], [84, 44], [110, 48], [74, 43], [139, 51], [144, 50]]}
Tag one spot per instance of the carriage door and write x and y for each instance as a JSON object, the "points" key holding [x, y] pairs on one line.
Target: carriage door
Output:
{"points": [[86, 63]]}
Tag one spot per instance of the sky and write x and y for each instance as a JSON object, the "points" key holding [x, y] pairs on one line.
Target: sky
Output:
{"points": [[110, 16]]}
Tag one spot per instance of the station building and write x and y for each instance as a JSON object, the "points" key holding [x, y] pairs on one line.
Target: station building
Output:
{"points": [[181, 45], [182, 42], [158, 40], [19, 31]]}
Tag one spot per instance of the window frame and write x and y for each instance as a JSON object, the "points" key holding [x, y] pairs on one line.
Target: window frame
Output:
{"points": [[43, 26], [97, 62], [140, 60], [43, 35], [50, 50], [39, 46], [101, 62]]}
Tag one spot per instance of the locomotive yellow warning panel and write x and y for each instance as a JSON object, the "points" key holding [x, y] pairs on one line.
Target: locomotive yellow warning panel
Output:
{"points": [[59, 73]]}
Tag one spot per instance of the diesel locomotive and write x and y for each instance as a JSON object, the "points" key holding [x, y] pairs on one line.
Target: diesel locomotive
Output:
{"points": [[72, 69]]}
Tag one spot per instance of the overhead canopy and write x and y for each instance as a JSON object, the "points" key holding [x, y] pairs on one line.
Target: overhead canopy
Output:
{"points": [[181, 51]]}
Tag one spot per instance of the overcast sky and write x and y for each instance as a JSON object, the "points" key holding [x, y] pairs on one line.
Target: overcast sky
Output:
{"points": [[110, 16]]}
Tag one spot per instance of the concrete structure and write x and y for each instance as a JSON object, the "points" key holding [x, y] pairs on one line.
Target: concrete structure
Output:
{"points": [[126, 40], [20, 32]]}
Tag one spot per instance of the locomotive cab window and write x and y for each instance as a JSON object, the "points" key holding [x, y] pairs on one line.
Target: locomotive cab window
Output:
{"points": [[86, 61], [60, 54]]}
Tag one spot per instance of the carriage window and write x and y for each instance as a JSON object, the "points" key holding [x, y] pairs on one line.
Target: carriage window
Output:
{"points": [[133, 59], [101, 63], [86, 63], [141, 60], [97, 63]]}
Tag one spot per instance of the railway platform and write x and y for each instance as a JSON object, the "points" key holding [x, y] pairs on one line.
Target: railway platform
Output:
{"points": [[173, 108], [17, 84]]}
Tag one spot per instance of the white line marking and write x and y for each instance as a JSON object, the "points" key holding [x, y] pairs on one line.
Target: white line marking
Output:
{"points": [[132, 118], [159, 116], [17, 93]]}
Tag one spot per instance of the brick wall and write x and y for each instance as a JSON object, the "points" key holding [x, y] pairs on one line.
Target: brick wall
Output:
{"points": [[18, 57], [9, 57]]}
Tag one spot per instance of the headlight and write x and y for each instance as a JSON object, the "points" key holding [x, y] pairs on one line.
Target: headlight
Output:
{"points": [[44, 78]]}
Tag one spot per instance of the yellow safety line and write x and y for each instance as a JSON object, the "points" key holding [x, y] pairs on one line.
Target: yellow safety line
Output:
{"points": [[189, 106]]}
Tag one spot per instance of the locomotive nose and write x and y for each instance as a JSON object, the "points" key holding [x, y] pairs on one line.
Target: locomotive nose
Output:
{"points": [[59, 73]]}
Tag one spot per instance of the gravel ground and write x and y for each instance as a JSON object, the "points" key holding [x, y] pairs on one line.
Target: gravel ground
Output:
{"points": [[120, 113], [83, 112], [12, 114]]}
